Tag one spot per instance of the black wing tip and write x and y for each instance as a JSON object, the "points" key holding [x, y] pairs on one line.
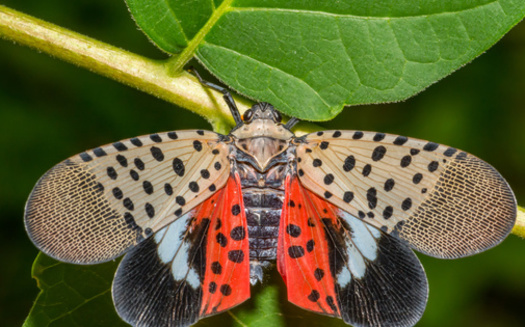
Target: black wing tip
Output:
{"points": [[393, 292], [145, 293]]}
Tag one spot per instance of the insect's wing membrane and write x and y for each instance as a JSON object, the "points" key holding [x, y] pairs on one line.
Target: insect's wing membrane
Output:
{"points": [[195, 267], [94, 206], [442, 201], [303, 253], [335, 264]]}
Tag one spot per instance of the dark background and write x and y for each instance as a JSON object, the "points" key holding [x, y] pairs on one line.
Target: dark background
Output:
{"points": [[50, 110]]}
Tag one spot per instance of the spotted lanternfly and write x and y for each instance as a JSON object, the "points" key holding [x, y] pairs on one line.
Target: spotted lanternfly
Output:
{"points": [[201, 215]]}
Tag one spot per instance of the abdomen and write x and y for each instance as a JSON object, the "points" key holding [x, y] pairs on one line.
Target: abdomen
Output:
{"points": [[263, 212]]}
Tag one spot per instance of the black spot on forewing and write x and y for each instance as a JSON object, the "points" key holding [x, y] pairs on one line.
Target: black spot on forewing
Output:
{"points": [[389, 184], [371, 196], [449, 152], [178, 167], [349, 163], [430, 146], [112, 173], [136, 142], [379, 137], [117, 193], [433, 166], [194, 187], [328, 179], [139, 164], [387, 213], [155, 138], [357, 135], [205, 173], [128, 204], [148, 187], [406, 204], [122, 160], [348, 197], [134, 175], [120, 146], [367, 169], [157, 153], [85, 157], [197, 145], [168, 189], [99, 152], [400, 140], [378, 153], [150, 210], [405, 161], [180, 200]]}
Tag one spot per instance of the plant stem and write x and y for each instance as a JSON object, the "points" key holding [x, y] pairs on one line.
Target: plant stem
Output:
{"points": [[150, 76], [519, 228]]}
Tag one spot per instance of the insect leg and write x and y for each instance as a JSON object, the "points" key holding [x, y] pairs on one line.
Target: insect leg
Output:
{"points": [[291, 123], [227, 97]]}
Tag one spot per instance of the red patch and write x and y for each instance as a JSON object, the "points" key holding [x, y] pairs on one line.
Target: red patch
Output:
{"points": [[302, 251], [227, 272]]}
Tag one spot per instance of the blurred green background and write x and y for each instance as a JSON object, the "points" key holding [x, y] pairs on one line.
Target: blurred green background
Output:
{"points": [[50, 110]]}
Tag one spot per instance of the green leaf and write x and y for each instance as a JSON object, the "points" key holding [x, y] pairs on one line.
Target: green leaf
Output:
{"points": [[72, 295], [75, 295], [311, 58]]}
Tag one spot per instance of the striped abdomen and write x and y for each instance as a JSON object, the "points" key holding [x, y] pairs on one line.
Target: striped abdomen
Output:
{"points": [[263, 195]]}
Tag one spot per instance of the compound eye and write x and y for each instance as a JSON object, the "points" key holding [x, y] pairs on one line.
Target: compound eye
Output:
{"points": [[248, 115], [277, 116]]}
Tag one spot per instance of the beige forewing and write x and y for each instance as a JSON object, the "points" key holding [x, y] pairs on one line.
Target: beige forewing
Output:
{"points": [[444, 202], [93, 206]]}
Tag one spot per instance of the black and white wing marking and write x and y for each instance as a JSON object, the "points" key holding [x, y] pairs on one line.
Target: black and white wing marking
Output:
{"points": [[93, 206], [444, 202], [335, 264]]}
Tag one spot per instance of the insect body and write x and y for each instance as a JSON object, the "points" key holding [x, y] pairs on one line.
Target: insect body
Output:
{"points": [[200, 215]]}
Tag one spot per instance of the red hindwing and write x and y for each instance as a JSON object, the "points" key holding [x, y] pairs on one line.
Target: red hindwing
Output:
{"points": [[303, 252], [227, 272]]}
